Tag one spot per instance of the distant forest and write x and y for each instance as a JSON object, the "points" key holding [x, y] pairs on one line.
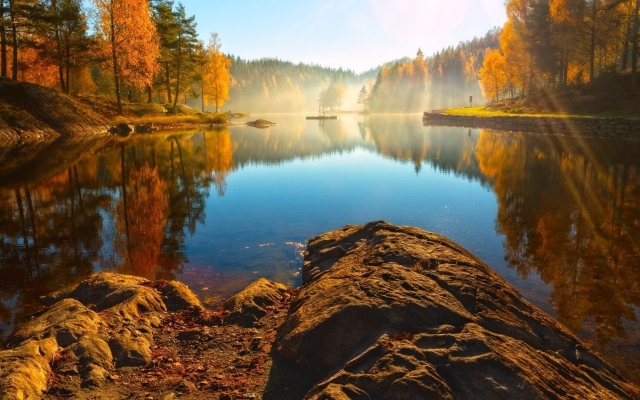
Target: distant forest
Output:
{"points": [[445, 79], [150, 51]]}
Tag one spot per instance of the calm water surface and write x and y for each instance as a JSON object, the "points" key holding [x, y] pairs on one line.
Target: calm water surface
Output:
{"points": [[557, 217]]}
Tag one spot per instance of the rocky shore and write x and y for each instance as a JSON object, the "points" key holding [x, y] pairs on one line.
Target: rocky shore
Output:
{"points": [[385, 312], [620, 128], [30, 113]]}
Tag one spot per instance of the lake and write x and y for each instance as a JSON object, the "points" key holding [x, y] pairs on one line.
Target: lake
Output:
{"points": [[558, 217]]}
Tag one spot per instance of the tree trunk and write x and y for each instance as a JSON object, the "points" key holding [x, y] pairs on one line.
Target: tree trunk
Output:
{"points": [[3, 42], [114, 59], [592, 46], [149, 94], [14, 40], [178, 57], [634, 54], [67, 67], [166, 81], [627, 39], [59, 53]]}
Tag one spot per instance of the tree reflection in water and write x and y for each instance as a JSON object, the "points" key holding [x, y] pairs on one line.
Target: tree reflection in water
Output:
{"points": [[569, 210]]}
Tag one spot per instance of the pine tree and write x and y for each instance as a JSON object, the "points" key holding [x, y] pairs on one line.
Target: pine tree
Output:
{"points": [[184, 51], [167, 28]]}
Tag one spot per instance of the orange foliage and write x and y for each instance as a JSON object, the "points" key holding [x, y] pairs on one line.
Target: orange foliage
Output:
{"points": [[147, 211], [130, 41], [493, 77], [35, 69]]}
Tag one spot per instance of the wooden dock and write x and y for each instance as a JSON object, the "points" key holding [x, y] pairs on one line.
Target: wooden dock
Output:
{"points": [[321, 114], [323, 117]]}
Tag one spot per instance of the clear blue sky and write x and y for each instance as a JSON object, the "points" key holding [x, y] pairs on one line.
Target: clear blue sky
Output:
{"points": [[355, 34]]}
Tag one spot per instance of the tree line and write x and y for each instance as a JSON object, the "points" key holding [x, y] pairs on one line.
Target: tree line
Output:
{"points": [[445, 79], [270, 84], [558, 43], [134, 48]]}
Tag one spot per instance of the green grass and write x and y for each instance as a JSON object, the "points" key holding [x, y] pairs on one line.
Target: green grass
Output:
{"points": [[490, 112], [172, 119]]}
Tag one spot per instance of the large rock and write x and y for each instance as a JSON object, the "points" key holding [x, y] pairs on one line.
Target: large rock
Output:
{"points": [[390, 312], [251, 303], [76, 340], [121, 297]]}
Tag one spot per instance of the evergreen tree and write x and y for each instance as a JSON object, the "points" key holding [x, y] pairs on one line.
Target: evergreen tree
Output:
{"points": [[167, 28], [184, 51]]}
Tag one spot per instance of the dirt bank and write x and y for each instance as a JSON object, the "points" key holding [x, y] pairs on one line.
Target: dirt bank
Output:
{"points": [[29, 112]]}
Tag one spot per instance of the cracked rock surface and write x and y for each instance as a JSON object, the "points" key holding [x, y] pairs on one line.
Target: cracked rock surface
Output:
{"points": [[386, 312], [389, 312]]}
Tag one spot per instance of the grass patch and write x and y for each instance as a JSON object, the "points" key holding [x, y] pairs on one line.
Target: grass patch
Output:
{"points": [[154, 113], [174, 119], [493, 112]]}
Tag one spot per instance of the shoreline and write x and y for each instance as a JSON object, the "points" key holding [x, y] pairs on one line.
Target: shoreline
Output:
{"points": [[599, 127], [383, 309]]}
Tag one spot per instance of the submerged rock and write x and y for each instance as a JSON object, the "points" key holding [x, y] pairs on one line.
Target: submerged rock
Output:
{"points": [[260, 123], [390, 312]]}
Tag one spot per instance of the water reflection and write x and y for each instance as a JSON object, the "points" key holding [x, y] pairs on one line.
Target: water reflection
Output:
{"points": [[567, 209]]}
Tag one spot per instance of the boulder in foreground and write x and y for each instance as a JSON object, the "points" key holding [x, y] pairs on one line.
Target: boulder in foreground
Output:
{"points": [[386, 312], [389, 312]]}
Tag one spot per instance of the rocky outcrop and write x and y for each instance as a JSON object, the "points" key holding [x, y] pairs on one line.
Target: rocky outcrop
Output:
{"points": [[386, 312], [30, 112], [253, 302], [390, 312], [106, 321]]}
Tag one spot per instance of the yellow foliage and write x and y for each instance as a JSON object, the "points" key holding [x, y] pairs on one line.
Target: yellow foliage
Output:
{"points": [[493, 76], [217, 78]]}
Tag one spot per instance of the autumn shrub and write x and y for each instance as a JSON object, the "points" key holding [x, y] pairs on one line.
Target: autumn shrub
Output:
{"points": [[218, 118]]}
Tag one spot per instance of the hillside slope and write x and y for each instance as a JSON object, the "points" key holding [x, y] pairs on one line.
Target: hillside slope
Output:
{"points": [[30, 112]]}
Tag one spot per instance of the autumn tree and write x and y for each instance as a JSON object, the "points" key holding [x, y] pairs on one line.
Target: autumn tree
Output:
{"points": [[493, 78], [60, 36], [332, 96], [567, 17], [217, 76], [130, 42], [517, 62], [401, 86]]}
